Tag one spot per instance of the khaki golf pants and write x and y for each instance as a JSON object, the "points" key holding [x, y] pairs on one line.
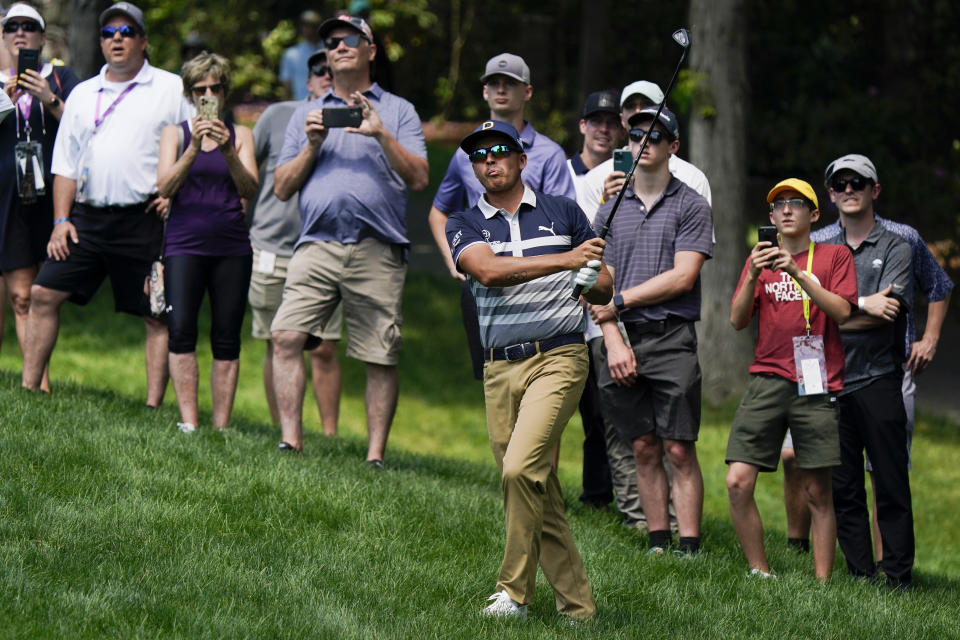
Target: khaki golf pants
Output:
{"points": [[528, 405]]}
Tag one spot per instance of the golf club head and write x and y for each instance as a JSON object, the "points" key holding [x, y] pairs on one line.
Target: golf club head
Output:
{"points": [[682, 38]]}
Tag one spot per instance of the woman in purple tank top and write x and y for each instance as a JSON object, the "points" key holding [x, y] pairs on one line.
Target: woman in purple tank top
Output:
{"points": [[206, 168]]}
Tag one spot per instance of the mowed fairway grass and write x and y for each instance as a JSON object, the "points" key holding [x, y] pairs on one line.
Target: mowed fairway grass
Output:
{"points": [[115, 525]]}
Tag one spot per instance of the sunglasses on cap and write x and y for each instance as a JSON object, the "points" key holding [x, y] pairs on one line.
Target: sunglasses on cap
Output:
{"points": [[496, 151], [794, 203], [126, 31], [654, 137], [319, 70], [200, 90], [28, 27], [352, 41], [859, 183]]}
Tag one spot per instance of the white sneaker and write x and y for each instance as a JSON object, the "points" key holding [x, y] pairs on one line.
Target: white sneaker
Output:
{"points": [[186, 427], [504, 606], [762, 574]]}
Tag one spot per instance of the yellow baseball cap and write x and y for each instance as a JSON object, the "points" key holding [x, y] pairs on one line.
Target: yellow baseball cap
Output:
{"points": [[794, 184]]}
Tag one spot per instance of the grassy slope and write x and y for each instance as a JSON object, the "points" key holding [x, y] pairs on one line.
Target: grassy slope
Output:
{"points": [[113, 524]]}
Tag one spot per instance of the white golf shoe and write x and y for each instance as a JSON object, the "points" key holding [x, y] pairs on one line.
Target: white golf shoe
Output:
{"points": [[504, 606]]}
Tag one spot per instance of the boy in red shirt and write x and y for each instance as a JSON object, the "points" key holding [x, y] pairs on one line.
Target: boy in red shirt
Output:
{"points": [[801, 292]]}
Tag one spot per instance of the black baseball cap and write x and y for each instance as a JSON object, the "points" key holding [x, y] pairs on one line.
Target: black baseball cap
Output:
{"points": [[601, 101]]}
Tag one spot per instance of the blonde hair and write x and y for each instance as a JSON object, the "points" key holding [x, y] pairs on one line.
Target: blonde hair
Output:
{"points": [[203, 65]]}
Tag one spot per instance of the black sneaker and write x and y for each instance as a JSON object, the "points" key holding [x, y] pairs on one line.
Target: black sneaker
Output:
{"points": [[375, 464]]}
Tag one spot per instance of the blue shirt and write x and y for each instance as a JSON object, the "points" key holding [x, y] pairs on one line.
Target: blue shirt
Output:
{"points": [[642, 244], [546, 172], [293, 67], [929, 276], [353, 193], [535, 310]]}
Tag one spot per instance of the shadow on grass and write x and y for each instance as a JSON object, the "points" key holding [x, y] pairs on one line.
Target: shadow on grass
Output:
{"points": [[443, 469]]}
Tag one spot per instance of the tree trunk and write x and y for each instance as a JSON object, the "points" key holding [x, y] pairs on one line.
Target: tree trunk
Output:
{"points": [[718, 134], [83, 36]]}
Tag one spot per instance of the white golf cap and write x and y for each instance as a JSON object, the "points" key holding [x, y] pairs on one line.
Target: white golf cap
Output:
{"points": [[645, 88], [20, 10]]}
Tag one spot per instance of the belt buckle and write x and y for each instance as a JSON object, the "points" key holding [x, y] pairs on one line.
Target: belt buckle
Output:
{"points": [[515, 352]]}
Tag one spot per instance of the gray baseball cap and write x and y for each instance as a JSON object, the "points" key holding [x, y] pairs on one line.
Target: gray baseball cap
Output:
{"points": [[507, 64], [124, 9], [855, 162]]}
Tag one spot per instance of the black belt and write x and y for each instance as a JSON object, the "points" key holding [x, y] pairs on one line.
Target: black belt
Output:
{"points": [[528, 349], [656, 327]]}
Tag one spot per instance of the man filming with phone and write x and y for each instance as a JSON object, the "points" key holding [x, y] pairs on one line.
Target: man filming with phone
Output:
{"points": [[105, 203], [353, 183]]}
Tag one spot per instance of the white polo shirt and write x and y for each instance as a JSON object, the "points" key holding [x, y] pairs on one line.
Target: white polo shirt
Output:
{"points": [[592, 186], [121, 156]]}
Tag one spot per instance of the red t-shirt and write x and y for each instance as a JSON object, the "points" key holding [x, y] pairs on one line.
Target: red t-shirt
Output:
{"points": [[778, 301]]}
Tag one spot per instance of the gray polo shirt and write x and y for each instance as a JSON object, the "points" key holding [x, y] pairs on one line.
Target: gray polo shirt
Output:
{"points": [[882, 259], [274, 224], [353, 192], [641, 244]]}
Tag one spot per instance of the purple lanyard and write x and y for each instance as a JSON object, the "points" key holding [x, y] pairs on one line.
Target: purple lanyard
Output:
{"points": [[97, 119]]}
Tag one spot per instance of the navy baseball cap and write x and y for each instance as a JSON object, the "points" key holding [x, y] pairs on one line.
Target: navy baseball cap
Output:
{"points": [[667, 119], [601, 101], [493, 127]]}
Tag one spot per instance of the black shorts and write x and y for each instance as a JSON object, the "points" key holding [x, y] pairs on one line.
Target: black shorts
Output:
{"points": [[665, 399], [26, 233], [117, 241]]}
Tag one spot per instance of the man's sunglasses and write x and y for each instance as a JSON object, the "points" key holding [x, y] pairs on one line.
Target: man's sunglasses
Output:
{"points": [[352, 41], [201, 90], [319, 70], [28, 27], [859, 183], [655, 136], [126, 31], [496, 151], [795, 203]]}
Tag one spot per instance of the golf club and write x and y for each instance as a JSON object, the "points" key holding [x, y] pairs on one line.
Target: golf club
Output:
{"points": [[682, 38]]}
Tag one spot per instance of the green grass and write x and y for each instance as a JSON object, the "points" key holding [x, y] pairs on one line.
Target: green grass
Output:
{"points": [[113, 524]]}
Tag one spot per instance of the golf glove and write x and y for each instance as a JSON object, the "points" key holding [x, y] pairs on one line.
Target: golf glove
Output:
{"points": [[586, 276]]}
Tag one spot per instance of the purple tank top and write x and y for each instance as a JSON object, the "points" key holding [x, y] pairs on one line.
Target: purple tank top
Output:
{"points": [[206, 215]]}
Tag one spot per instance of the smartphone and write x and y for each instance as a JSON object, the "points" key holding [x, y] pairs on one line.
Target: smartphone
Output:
{"points": [[334, 117], [622, 160], [209, 107], [767, 234], [28, 59]]}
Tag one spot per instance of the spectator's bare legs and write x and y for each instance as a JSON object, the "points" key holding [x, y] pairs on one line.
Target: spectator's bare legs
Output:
{"points": [[381, 402], [43, 325], [325, 368], [268, 383], [652, 482], [794, 497], [741, 482], [18, 283], [223, 384], [687, 486], [289, 379], [155, 354], [184, 373], [819, 495], [877, 540]]}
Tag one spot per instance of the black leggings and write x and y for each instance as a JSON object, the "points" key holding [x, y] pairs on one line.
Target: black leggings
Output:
{"points": [[227, 278]]}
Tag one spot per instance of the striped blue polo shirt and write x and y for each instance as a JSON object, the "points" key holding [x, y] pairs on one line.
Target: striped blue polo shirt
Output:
{"points": [[542, 225]]}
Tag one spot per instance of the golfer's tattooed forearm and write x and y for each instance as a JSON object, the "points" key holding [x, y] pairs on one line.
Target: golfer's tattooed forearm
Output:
{"points": [[517, 278]]}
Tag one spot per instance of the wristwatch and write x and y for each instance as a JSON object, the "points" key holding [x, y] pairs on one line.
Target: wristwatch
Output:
{"points": [[618, 302], [55, 102]]}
